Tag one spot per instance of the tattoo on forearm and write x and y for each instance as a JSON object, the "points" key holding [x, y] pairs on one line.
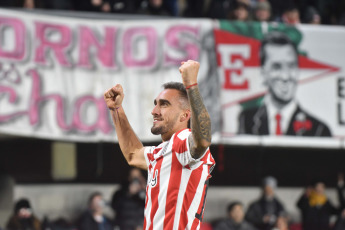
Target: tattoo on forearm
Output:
{"points": [[201, 122]]}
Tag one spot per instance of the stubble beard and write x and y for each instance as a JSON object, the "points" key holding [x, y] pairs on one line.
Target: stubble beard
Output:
{"points": [[164, 128]]}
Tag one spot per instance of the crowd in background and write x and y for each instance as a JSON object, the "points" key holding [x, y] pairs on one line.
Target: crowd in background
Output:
{"points": [[265, 213], [288, 11]]}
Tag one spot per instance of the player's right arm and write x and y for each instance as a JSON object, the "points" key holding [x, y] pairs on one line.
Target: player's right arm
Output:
{"points": [[131, 147]]}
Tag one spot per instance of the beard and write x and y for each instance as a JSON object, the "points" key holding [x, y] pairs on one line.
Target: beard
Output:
{"points": [[163, 128], [157, 130]]}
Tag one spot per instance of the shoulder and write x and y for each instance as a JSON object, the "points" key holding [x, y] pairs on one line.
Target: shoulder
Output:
{"points": [[318, 128], [182, 134], [179, 139], [250, 112], [255, 204], [246, 225]]}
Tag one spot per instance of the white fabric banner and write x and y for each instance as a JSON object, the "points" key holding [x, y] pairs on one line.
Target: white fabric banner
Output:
{"points": [[54, 71], [281, 85]]}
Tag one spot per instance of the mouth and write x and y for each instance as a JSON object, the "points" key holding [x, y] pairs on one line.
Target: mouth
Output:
{"points": [[156, 120]]}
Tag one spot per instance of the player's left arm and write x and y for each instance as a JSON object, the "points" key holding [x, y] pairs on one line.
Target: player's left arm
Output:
{"points": [[200, 138]]}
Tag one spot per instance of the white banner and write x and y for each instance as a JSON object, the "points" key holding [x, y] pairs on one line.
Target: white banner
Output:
{"points": [[281, 85], [54, 70]]}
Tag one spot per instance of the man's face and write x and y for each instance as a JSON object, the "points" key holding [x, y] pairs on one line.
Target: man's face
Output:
{"points": [[320, 188], [166, 113], [237, 214], [281, 71], [97, 204], [268, 191]]}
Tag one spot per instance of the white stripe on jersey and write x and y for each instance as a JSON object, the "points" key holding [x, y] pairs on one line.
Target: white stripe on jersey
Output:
{"points": [[196, 201], [166, 167], [183, 186], [174, 199]]}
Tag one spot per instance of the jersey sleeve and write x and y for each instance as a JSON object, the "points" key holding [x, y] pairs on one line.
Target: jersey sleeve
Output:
{"points": [[181, 149], [148, 154]]}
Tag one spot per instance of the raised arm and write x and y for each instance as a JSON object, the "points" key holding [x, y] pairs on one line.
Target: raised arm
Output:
{"points": [[200, 138], [131, 147]]}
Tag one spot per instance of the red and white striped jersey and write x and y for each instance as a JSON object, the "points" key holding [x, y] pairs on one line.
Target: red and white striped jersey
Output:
{"points": [[177, 184]]}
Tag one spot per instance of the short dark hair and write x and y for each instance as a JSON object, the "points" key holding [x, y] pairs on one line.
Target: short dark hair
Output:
{"points": [[275, 38], [92, 196], [181, 89], [232, 205], [178, 86]]}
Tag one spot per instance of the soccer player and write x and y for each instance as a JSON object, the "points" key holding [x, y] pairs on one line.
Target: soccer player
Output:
{"points": [[179, 168]]}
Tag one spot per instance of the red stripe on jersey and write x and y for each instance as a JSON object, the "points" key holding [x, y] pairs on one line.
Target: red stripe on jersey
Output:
{"points": [[173, 189], [150, 157], [155, 192], [195, 224], [192, 186], [156, 150], [196, 221], [146, 199], [179, 146]]}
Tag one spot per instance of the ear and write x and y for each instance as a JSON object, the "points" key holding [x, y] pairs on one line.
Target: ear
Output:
{"points": [[185, 116]]}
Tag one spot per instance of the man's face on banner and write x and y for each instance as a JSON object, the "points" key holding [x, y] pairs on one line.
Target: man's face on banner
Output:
{"points": [[280, 71]]}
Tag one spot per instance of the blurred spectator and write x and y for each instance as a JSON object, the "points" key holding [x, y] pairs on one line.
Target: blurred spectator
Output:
{"points": [[88, 5], [264, 212], [23, 217], [29, 4], [153, 7], [341, 190], [235, 220], [219, 8], [93, 218], [291, 16], [129, 201], [281, 224], [194, 8], [58, 224], [263, 11], [58, 4], [240, 11], [316, 208], [340, 224], [120, 6], [311, 16]]}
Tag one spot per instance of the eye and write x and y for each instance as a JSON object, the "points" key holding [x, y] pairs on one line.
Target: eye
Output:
{"points": [[276, 66]]}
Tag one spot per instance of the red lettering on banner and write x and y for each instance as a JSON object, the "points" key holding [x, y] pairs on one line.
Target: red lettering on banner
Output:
{"points": [[37, 99], [18, 27], [105, 51], [140, 46], [232, 60], [231, 74], [234, 54], [188, 49], [46, 43], [101, 121], [130, 43]]}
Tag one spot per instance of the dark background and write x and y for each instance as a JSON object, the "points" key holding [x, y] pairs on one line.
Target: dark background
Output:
{"points": [[29, 161]]}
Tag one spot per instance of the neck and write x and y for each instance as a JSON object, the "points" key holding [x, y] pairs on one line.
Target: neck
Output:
{"points": [[166, 136]]}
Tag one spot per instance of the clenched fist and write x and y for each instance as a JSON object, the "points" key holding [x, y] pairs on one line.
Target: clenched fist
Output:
{"points": [[189, 71], [114, 96]]}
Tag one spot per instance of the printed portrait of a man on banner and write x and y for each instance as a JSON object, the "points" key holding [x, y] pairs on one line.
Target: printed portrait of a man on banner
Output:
{"points": [[279, 112], [274, 84]]}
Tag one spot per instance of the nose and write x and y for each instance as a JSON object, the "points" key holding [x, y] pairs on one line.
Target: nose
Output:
{"points": [[155, 110]]}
